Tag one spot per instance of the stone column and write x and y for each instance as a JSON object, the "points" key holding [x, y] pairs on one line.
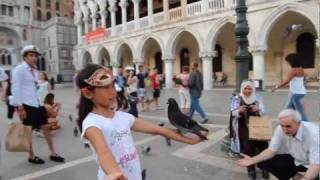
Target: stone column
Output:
{"points": [[123, 4], [258, 64], [184, 8], [166, 9], [278, 60], [113, 9], [103, 14], [207, 70], [136, 13], [205, 6], [168, 72], [79, 33], [150, 12], [94, 22], [86, 25]]}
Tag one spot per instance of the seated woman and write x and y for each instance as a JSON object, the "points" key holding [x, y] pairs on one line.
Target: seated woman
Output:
{"points": [[246, 104], [52, 109]]}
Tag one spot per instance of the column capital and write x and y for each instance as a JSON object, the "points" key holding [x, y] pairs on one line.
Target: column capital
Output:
{"points": [[168, 60], [257, 49], [207, 54], [123, 4], [113, 8]]}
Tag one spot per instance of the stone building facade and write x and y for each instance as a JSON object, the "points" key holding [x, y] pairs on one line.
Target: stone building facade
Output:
{"points": [[55, 38], [170, 34]]}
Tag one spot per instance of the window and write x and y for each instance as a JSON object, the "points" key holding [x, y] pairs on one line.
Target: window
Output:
{"points": [[5, 57], [57, 6], [48, 15], [48, 4], [38, 3], [39, 18], [10, 11], [3, 9]]}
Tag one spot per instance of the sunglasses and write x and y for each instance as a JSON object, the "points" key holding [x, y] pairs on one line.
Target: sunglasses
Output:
{"points": [[100, 78]]}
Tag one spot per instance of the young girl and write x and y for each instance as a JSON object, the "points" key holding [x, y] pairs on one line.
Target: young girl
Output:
{"points": [[108, 131], [52, 109]]}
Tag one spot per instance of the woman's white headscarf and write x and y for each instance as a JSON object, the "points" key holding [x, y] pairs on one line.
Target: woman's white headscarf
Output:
{"points": [[252, 98]]}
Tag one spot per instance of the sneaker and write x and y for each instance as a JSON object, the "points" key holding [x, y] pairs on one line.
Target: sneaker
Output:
{"points": [[36, 160], [38, 133], [205, 121], [56, 158]]}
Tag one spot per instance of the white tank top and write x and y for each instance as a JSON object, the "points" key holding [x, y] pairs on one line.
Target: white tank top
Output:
{"points": [[297, 85]]}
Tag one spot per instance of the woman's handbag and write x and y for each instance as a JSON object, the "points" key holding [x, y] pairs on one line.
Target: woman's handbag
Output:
{"points": [[18, 138]]}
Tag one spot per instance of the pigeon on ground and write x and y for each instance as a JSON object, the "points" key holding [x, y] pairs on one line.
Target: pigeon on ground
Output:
{"points": [[168, 140], [182, 121], [75, 131], [146, 150], [70, 118]]}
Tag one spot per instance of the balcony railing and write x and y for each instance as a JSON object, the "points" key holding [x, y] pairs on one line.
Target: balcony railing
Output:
{"points": [[175, 13], [192, 10]]}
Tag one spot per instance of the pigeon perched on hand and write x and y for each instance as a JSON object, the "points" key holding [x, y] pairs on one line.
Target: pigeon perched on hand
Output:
{"points": [[182, 122]]}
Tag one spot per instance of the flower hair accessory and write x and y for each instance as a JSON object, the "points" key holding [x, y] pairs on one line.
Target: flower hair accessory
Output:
{"points": [[101, 78]]}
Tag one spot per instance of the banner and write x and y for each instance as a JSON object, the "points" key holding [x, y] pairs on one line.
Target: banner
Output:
{"points": [[98, 34]]}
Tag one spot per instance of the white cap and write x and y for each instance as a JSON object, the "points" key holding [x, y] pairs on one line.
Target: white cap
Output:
{"points": [[30, 48]]}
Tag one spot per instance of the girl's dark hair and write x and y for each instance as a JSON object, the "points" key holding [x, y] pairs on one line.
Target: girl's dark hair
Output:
{"points": [[49, 99], [294, 60], [45, 75], [85, 105]]}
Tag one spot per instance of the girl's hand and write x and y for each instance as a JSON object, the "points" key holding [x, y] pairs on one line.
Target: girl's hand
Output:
{"points": [[195, 139], [246, 161], [116, 176]]}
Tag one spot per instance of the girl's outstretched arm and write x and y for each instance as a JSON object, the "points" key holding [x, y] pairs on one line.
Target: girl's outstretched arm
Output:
{"points": [[105, 157], [150, 128]]}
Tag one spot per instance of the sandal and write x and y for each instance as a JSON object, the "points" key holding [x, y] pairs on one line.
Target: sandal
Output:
{"points": [[56, 158], [36, 160]]}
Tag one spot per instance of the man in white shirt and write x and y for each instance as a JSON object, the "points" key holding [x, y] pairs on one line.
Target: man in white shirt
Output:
{"points": [[301, 142], [26, 100]]}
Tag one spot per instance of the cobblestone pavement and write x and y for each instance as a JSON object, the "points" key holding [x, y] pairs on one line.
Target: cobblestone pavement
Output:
{"points": [[204, 161]]}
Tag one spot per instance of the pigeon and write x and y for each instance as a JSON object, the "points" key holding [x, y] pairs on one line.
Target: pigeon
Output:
{"points": [[70, 118], [146, 150], [75, 131], [143, 174], [182, 122]]}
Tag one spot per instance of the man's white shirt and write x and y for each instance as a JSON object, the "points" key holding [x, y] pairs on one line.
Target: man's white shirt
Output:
{"points": [[3, 75], [24, 86], [304, 147]]}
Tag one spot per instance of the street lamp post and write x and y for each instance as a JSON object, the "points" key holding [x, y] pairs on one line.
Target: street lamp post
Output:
{"points": [[242, 56]]}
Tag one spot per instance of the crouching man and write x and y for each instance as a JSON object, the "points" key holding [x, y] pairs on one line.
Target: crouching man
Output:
{"points": [[294, 150]]}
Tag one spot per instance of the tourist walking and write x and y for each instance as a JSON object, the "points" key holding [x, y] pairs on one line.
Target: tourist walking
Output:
{"points": [[184, 90], [25, 98], [297, 89], [195, 88]]}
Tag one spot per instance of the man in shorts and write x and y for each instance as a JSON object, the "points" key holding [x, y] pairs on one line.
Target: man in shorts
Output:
{"points": [[26, 100]]}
